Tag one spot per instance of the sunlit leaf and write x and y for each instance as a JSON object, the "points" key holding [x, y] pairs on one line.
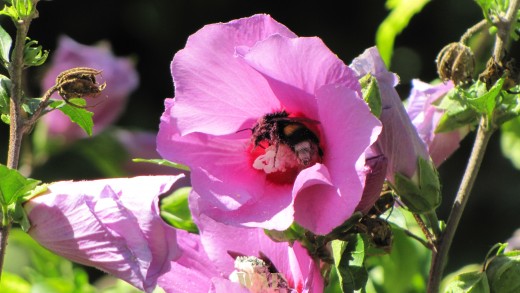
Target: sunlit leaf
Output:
{"points": [[5, 46], [162, 162], [175, 210], [401, 13], [78, 115], [349, 259]]}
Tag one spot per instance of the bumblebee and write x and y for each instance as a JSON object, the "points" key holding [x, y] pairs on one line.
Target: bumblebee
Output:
{"points": [[278, 128]]}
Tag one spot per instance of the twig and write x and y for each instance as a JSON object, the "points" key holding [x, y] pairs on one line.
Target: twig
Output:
{"points": [[468, 180], [472, 30]]}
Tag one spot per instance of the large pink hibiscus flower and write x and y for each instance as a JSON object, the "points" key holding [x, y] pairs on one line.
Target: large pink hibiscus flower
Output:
{"points": [[272, 126]]}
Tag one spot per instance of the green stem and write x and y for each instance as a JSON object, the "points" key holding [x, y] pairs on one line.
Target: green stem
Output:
{"points": [[484, 132], [17, 119], [468, 180]]}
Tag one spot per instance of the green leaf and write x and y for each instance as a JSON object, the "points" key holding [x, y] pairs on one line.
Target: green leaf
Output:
{"points": [[13, 185], [371, 94], [30, 105], [162, 162], [78, 115], [401, 13], [457, 113], [5, 118], [175, 210], [106, 153], [472, 282], [46, 271], [11, 12], [5, 94], [11, 283], [5, 46], [487, 102], [486, 6], [510, 141], [503, 272], [349, 259]]}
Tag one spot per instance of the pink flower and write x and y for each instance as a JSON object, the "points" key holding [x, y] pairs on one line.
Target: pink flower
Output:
{"points": [[119, 74], [112, 224], [425, 116], [272, 126], [230, 259], [399, 140], [142, 144], [410, 170]]}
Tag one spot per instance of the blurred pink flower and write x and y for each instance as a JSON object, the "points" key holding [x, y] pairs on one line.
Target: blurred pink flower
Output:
{"points": [[220, 260], [425, 116], [229, 77], [119, 74], [112, 224], [142, 144]]}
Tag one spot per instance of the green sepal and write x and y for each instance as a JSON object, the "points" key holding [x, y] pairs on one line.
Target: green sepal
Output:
{"points": [[349, 262], [503, 271], [162, 162], [371, 94], [457, 113], [294, 233], [80, 116], [5, 47], [175, 210], [33, 55], [424, 196], [471, 282]]}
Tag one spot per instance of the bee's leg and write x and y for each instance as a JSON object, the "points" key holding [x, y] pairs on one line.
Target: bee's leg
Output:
{"points": [[275, 155]]}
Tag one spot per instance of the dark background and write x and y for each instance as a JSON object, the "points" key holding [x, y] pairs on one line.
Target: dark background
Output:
{"points": [[153, 30]]}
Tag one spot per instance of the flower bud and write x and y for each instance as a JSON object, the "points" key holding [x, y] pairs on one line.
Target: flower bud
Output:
{"points": [[410, 171], [118, 72], [456, 62]]}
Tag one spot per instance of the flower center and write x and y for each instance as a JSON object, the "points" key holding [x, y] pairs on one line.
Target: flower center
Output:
{"points": [[282, 145], [253, 273]]}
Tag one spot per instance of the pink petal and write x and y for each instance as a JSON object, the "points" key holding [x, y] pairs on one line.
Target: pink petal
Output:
{"points": [[348, 129], [216, 91], [293, 262], [193, 271], [425, 116], [297, 67], [111, 224], [399, 141], [231, 190]]}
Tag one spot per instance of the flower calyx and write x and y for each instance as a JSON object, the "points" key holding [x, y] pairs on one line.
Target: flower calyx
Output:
{"points": [[456, 62], [77, 83]]}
